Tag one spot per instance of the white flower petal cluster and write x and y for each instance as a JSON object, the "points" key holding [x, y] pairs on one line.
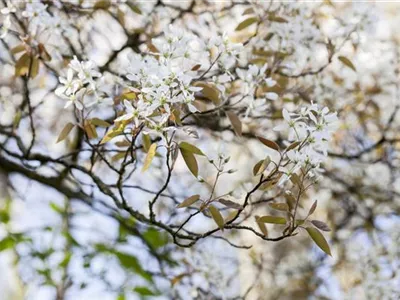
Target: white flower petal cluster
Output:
{"points": [[252, 78], [313, 127], [79, 82]]}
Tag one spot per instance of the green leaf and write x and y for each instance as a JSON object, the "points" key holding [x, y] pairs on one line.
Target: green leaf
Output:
{"points": [[149, 157], [191, 148], [34, 68], [246, 23], [189, 201], [272, 220], [131, 263], [144, 291], [146, 142], [347, 62], [269, 143], [155, 238], [235, 121], [319, 239], [22, 65], [216, 215], [279, 206], [190, 161], [7, 243], [64, 133]]}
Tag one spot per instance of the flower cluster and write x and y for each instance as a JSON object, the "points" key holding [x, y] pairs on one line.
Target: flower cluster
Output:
{"points": [[312, 129], [253, 78], [163, 80], [79, 83]]}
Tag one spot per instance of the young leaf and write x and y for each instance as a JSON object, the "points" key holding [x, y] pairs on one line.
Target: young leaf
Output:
{"points": [[347, 62], [110, 135], [246, 23], [312, 208], [189, 201], [191, 148], [99, 122], [261, 166], [262, 227], [230, 204], [190, 161], [149, 157], [235, 121], [319, 239], [64, 133], [216, 215], [279, 206], [293, 145], [146, 142], [34, 68], [269, 143], [90, 130], [209, 91], [22, 65], [272, 220], [320, 225]]}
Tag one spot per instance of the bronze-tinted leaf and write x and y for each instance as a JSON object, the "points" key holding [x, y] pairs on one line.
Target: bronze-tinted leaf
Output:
{"points": [[90, 130], [64, 133], [230, 204], [269, 143], [319, 239], [347, 62], [272, 220], [320, 225], [209, 91], [216, 215], [189, 201], [246, 23], [146, 142], [293, 145], [261, 166], [149, 157], [22, 65], [312, 208], [190, 161], [235, 121]]}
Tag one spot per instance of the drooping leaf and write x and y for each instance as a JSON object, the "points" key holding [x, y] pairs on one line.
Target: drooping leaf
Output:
{"points": [[320, 225], [149, 157], [246, 23], [190, 161], [90, 130], [319, 239], [347, 62], [34, 67], [235, 121], [272, 220], [110, 135], [146, 142], [216, 215], [279, 206], [191, 148], [269, 143], [102, 4], [64, 133], [209, 91], [189, 201], [262, 227], [18, 49]]}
